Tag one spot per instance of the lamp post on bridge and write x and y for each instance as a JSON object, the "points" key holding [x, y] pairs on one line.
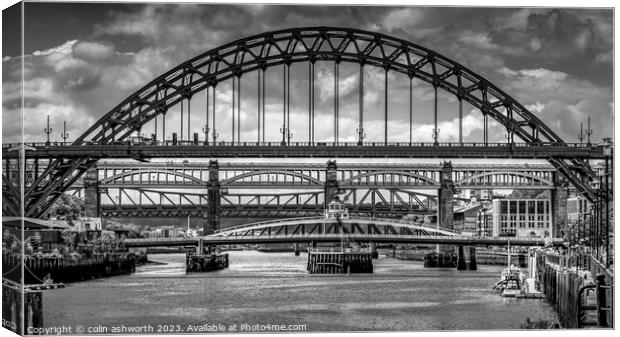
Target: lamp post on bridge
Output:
{"points": [[436, 135], [361, 135], [64, 135], [286, 135], [205, 129], [48, 130], [215, 135]]}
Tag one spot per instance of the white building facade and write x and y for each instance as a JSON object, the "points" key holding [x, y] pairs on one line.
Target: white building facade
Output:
{"points": [[522, 217]]}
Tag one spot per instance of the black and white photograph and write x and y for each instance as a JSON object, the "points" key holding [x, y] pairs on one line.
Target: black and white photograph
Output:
{"points": [[317, 167]]}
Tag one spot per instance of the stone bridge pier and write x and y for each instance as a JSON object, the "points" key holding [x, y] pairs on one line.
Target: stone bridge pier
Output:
{"points": [[466, 261], [212, 218]]}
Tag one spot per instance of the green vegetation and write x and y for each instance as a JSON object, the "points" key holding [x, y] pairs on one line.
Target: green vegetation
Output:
{"points": [[529, 194], [67, 206]]}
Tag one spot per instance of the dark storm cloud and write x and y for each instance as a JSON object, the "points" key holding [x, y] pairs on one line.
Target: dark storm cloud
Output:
{"points": [[555, 61]]}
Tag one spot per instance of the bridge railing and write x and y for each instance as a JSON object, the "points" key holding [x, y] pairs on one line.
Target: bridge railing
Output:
{"points": [[165, 143], [268, 222]]}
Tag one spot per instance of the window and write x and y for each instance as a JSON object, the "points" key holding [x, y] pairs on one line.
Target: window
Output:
{"points": [[513, 206], [521, 206], [531, 207], [503, 206]]}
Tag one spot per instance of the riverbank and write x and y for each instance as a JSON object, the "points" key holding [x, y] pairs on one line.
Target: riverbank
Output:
{"points": [[65, 269]]}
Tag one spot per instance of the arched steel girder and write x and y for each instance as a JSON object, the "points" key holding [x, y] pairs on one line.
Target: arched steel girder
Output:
{"points": [[306, 178], [417, 177], [382, 226], [531, 177], [122, 175], [310, 45], [305, 45]]}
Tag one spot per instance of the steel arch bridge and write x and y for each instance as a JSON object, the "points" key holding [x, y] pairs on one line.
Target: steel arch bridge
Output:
{"points": [[285, 47], [319, 229]]}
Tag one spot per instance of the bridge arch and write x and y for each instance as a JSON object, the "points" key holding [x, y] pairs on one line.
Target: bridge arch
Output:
{"points": [[120, 176], [313, 44], [308, 179], [417, 178], [531, 177], [319, 225]]}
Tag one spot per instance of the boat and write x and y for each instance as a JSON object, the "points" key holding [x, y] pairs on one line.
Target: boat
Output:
{"points": [[511, 280]]}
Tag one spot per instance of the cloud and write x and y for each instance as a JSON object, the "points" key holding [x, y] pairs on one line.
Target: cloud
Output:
{"points": [[535, 55]]}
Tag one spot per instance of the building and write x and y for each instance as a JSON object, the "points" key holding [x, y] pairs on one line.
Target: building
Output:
{"points": [[522, 217], [39, 235], [477, 195], [86, 224], [466, 219], [575, 207], [487, 221], [170, 231]]}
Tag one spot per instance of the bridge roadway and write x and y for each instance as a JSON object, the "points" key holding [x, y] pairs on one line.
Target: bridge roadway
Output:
{"points": [[190, 149], [309, 238]]}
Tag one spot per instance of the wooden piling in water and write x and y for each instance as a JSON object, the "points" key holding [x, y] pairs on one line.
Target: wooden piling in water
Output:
{"points": [[339, 262]]}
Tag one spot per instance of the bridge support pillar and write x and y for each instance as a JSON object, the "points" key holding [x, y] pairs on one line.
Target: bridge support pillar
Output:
{"points": [[296, 248], [373, 250], [92, 200], [559, 216], [461, 263], [445, 207], [331, 182], [212, 221], [472, 259]]}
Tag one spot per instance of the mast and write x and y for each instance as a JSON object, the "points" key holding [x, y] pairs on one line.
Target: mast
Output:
{"points": [[509, 254]]}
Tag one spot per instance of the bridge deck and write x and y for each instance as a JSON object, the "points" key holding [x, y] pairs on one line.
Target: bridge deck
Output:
{"points": [[387, 238], [341, 150]]}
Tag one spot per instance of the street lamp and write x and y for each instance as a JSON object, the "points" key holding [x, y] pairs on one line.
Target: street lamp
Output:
{"points": [[361, 135], [64, 135], [48, 130], [205, 129]]}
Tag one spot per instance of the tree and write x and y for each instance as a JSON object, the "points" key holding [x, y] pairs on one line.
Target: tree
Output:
{"points": [[529, 194], [68, 206]]}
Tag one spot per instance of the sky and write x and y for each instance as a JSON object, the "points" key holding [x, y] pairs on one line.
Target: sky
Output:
{"points": [[81, 60]]}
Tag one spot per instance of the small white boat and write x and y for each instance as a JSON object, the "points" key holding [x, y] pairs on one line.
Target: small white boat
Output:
{"points": [[511, 280]]}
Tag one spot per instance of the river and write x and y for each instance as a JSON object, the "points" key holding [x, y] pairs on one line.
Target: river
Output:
{"points": [[274, 288]]}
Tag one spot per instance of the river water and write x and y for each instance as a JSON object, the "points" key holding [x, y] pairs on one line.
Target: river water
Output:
{"points": [[274, 288]]}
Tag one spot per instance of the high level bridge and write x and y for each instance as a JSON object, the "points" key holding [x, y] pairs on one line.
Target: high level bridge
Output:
{"points": [[269, 190]]}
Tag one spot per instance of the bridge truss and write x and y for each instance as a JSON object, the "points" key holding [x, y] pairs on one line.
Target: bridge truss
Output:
{"points": [[390, 190]]}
